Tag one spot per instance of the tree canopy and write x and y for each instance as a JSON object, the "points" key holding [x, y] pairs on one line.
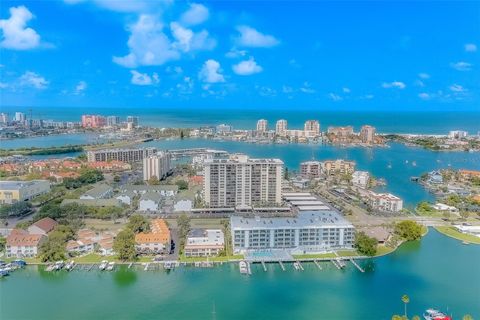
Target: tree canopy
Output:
{"points": [[365, 245], [138, 223], [124, 245], [408, 230]]}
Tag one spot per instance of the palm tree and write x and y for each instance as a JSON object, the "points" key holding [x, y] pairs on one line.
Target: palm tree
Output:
{"points": [[405, 300], [415, 318], [467, 317]]}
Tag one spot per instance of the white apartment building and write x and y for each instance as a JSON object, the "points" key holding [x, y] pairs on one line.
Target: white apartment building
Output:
{"points": [[262, 125], [457, 134], [312, 128], [159, 165], [385, 202], [367, 134], [124, 155], [360, 179], [20, 117], [242, 182], [308, 232], [3, 118], [281, 128], [204, 242], [113, 121]]}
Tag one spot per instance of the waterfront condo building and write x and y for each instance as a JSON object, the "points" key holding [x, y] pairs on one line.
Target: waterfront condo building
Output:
{"points": [[242, 182], [93, 121], [15, 191], [124, 155], [156, 241], [311, 169], [360, 179], [262, 126], [340, 134], [158, 165], [309, 232], [281, 128], [223, 128], [113, 121], [339, 166], [20, 117], [21, 244], [385, 202], [3, 118], [133, 120], [204, 242], [367, 134], [312, 128]]}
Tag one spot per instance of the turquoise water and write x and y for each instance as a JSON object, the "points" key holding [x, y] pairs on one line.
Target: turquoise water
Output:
{"points": [[374, 160], [436, 272], [245, 118]]}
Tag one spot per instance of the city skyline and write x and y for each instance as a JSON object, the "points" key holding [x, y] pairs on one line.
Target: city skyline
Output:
{"points": [[326, 56]]}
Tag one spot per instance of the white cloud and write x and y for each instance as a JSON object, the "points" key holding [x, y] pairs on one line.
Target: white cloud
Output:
{"points": [[186, 86], [470, 47], [424, 96], [424, 75], [266, 91], [3, 85], [32, 79], [187, 40], [247, 67], [394, 84], [123, 6], [143, 79], [419, 83], [346, 90], [249, 37], [368, 97], [196, 14], [211, 72], [15, 33], [287, 89], [80, 87], [461, 66], [457, 88], [235, 53], [335, 97], [148, 44]]}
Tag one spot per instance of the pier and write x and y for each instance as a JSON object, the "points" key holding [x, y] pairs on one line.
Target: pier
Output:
{"points": [[317, 264], [356, 265], [281, 265], [264, 266]]}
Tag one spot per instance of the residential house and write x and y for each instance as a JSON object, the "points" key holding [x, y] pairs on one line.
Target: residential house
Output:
{"points": [[21, 244], [156, 241], [101, 191], [126, 197], [150, 201], [204, 242], [42, 226]]}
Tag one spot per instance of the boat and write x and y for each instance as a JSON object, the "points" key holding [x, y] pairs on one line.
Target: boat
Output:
{"points": [[110, 266], [69, 266], [50, 267], [243, 267], [103, 265], [4, 272], [432, 314], [296, 265], [19, 263], [58, 265], [414, 163]]}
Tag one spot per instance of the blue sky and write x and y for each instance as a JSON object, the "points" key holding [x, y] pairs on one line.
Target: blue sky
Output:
{"points": [[389, 56]]}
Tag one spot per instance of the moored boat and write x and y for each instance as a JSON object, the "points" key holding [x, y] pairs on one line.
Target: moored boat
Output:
{"points": [[110, 266], [103, 265], [243, 267], [432, 314]]}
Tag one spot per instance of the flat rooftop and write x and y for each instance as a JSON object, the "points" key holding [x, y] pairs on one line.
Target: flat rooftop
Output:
{"points": [[307, 203], [17, 185], [305, 219]]}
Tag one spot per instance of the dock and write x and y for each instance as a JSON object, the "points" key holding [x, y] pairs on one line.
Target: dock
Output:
{"points": [[356, 265], [130, 265], [264, 266], [335, 263], [317, 264], [146, 267], [281, 265]]}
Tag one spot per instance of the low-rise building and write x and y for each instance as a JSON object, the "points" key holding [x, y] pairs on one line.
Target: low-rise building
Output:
{"points": [[99, 203], [126, 197], [204, 242], [311, 169], [385, 202], [446, 208], [42, 226], [15, 191], [308, 232], [163, 190], [360, 179], [156, 241], [21, 244], [150, 202], [339, 166], [101, 191]]}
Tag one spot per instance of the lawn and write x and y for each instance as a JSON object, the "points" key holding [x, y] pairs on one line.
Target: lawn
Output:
{"points": [[96, 258], [453, 233], [383, 250]]}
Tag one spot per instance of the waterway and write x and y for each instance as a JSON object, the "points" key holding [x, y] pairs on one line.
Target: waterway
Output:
{"points": [[389, 163], [437, 272], [56, 140]]}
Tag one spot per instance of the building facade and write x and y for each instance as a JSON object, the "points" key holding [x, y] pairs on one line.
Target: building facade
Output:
{"points": [[360, 179], [311, 169], [159, 165], [262, 125], [93, 121], [367, 134], [156, 241], [312, 128], [21, 244], [309, 232], [339, 166], [15, 191], [281, 128], [385, 202], [113, 121], [204, 242], [124, 155], [242, 182]]}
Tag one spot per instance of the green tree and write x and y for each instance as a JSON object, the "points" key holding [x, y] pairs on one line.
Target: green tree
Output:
{"points": [[467, 317], [15, 209], [408, 230], [365, 245], [183, 224], [54, 248], [124, 245], [464, 214], [153, 181], [182, 135], [416, 318], [138, 223], [405, 300], [285, 175], [3, 242], [182, 184]]}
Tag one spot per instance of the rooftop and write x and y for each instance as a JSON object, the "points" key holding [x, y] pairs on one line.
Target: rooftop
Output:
{"points": [[305, 219], [205, 237], [17, 185], [22, 239], [46, 224], [159, 233], [98, 190]]}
